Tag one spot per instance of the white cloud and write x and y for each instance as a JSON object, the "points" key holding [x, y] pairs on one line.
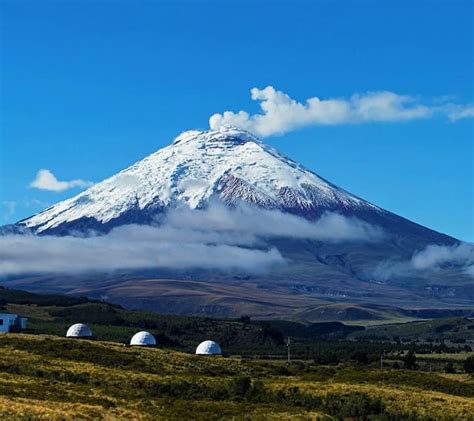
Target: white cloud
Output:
{"points": [[264, 223], [121, 250], [469, 270], [458, 112], [46, 180], [281, 114], [435, 256], [217, 238], [432, 257]]}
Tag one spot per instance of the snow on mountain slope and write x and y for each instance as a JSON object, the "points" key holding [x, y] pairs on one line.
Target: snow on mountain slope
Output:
{"points": [[229, 163]]}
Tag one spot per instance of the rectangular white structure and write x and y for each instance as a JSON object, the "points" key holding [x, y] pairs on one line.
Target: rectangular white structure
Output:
{"points": [[10, 322]]}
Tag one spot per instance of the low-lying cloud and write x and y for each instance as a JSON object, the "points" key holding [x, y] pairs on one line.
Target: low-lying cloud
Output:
{"points": [[435, 256], [217, 238], [118, 250], [264, 223], [46, 180], [432, 257], [280, 113]]}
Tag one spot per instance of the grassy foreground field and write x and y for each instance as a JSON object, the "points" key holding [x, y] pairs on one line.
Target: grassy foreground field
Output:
{"points": [[47, 377]]}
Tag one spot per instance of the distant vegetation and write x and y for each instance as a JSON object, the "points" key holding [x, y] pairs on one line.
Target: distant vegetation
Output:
{"points": [[52, 314], [325, 343], [16, 296], [454, 329]]}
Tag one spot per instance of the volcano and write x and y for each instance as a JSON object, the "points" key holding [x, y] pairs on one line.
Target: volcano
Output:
{"points": [[229, 165], [232, 167]]}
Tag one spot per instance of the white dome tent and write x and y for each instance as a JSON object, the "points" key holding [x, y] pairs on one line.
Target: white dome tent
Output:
{"points": [[143, 339], [79, 330], [208, 348]]}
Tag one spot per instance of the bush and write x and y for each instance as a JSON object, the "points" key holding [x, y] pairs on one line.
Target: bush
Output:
{"points": [[354, 405], [449, 368], [360, 356], [281, 371], [294, 397], [469, 364], [240, 386], [409, 360]]}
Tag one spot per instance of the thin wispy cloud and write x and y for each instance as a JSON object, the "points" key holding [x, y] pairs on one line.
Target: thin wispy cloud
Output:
{"points": [[280, 113], [458, 112], [432, 257], [46, 180], [8, 209]]}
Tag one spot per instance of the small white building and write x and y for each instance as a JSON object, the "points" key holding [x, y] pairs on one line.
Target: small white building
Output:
{"points": [[208, 348], [79, 330], [143, 339], [11, 322]]}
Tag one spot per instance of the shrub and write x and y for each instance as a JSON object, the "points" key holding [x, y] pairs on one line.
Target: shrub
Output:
{"points": [[469, 364], [353, 405], [258, 393], [449, 368], [240, 386], [360, 356], [409, 360], [281, 371], [294, 397]]}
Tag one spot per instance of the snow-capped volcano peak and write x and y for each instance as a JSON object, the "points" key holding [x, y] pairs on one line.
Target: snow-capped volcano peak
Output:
{"points": [[229, 164], [225, 134]]}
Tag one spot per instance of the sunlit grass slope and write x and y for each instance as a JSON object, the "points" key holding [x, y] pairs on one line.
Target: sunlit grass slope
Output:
{"points": [[46, 377]]}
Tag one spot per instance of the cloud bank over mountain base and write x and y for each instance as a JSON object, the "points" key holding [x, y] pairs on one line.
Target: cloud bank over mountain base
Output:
{"points": [[217, 238], [123, 249], [237, 240]]}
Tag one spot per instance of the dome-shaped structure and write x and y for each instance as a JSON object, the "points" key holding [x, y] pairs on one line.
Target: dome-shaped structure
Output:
{"points": [[143, 339], [208, 348], [79, 330]]}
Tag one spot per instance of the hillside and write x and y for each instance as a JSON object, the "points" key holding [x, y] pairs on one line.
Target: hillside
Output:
{"points": [[92, 379], [454, 329], [46, 376], [53, 314]]}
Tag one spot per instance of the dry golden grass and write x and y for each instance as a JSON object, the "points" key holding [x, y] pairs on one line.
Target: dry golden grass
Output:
{"points": [[459, 377], [454, 356], [45, 377], [399, 399], [45, 410]]}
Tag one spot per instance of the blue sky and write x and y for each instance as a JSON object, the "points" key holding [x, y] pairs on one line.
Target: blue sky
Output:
{"points": [[90, 87]]}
